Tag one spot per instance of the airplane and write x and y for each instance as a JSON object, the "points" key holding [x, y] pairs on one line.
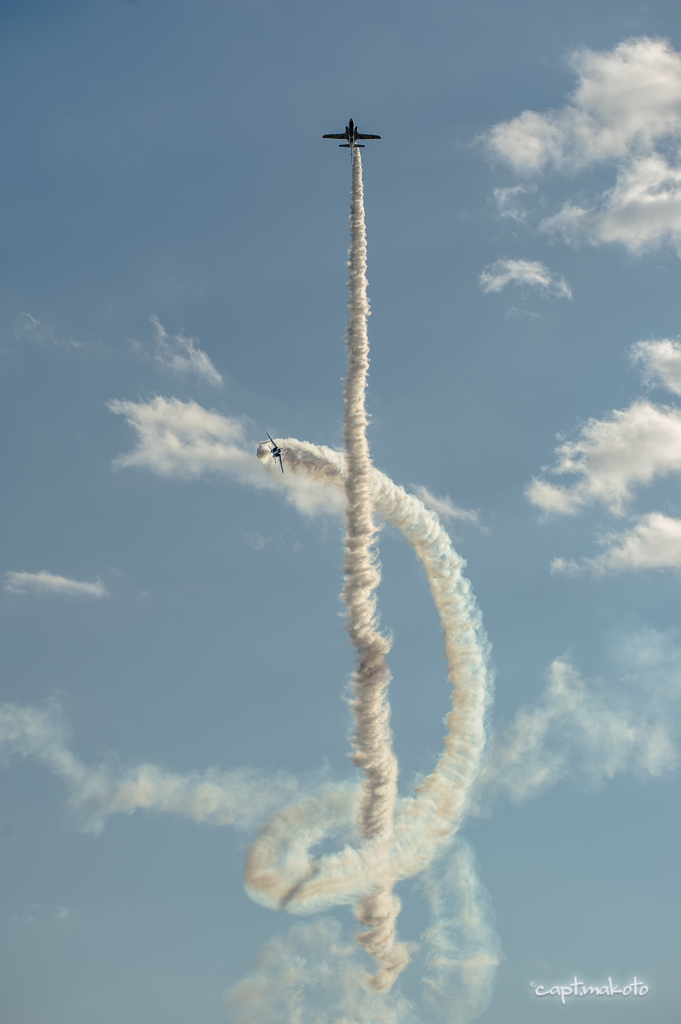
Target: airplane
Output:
{"points": [[351, 135], [276, 452]]}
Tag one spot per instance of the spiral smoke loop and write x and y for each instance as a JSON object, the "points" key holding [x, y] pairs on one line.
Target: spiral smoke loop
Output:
{"points": [[398, 837]]}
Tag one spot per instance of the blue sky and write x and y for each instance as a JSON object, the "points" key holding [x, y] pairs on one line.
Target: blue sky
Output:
{"points": [[174, 231]]}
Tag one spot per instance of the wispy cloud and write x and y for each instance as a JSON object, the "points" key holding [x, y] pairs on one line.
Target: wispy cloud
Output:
{"points": [[256, 540], [527, 273], [241, 797], [177, 354], [47, 584], [510, 204], [38, 912], [183, 440], [513, 313], [28, 325], [313, 974], [626, 110], [445, 507], [28, 328], [592, 730]]}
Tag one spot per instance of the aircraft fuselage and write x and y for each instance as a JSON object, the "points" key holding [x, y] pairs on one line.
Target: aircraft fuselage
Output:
{"points": [[351, 135]]}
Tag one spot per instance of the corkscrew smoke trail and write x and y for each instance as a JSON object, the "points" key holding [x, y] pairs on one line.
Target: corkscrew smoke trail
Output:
{"points": [[372, 738], [398, 837]]}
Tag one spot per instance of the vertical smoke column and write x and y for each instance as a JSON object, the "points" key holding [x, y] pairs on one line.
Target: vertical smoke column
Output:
{"points": [[372, 737]]}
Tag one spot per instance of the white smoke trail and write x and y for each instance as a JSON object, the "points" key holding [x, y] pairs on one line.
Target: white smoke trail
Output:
{"points": [[372, 738], [461, 946], [241, 797], [592, 730], [399, 839], [388, 839], [311, 975], [280, 868], [310, 968]]}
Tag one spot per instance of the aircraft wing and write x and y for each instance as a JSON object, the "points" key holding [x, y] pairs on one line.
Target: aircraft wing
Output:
{"points": [[334, 136], [361, 136]]}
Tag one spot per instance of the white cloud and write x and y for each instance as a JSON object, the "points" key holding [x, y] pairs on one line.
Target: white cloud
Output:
{"points": [[509, 203], [569, 567], [256, 540], [38, 912], [626, 110], [642, 210], [45, 583], [653, 543], [178, 354], [28, 325], [592, 731], [627, 99], [28, 328], [523, 272], [513, 313], [662, 362], [445, 507], [611, 457], [184, 440]]}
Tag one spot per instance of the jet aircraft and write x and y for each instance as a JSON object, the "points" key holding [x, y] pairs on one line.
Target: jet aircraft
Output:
{"points": [[276, 452], [351, 135]]}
